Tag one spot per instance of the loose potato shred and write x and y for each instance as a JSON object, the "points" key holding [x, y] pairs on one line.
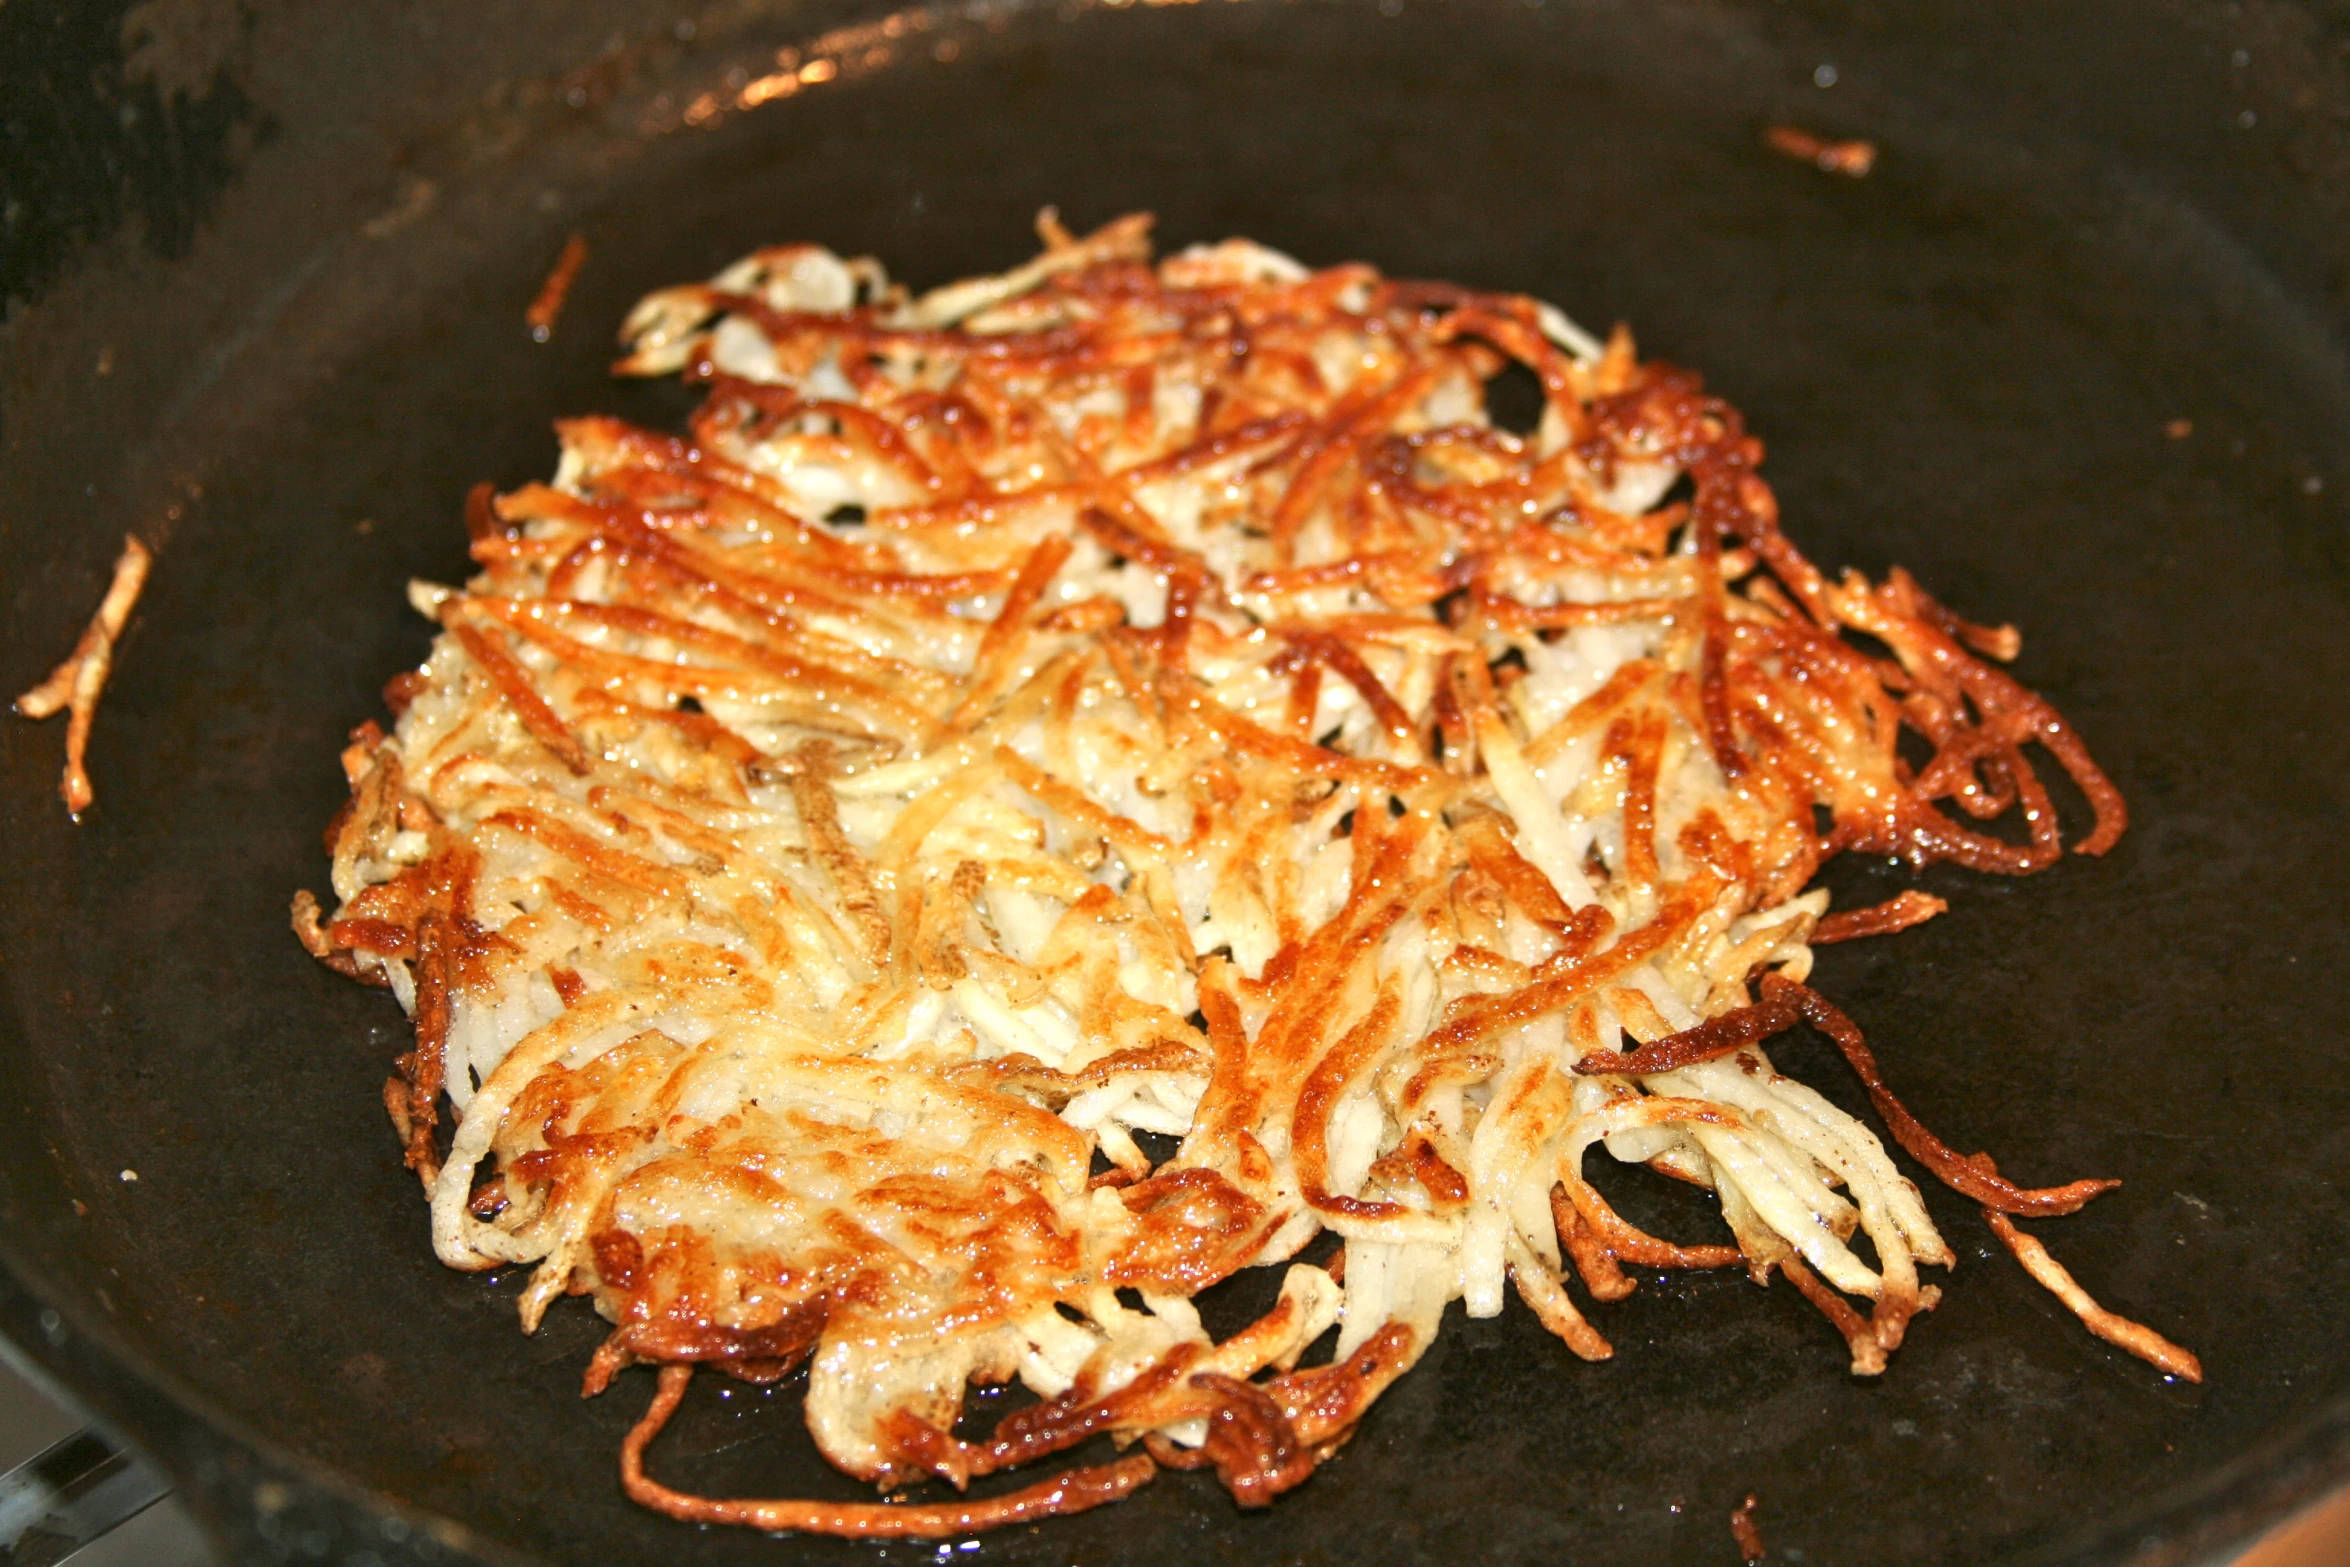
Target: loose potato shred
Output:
{"points": [[1113, 699], [75, 685]]}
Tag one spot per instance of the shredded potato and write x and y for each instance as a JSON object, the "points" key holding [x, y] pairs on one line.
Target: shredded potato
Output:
{"points": [[75, 685], [1109, 700]]}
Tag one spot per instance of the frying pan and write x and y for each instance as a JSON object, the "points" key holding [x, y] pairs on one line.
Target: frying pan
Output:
{"points": [[2073, 352]]}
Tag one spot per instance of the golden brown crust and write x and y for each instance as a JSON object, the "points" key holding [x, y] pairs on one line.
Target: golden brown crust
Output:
{"points": [[1113, 699]]}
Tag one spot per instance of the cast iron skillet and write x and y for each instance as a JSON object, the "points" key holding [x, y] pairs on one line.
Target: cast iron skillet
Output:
{"points": [[267, 268]]}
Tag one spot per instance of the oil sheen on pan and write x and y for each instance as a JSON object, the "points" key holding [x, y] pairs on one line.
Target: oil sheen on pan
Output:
{"points": [[1067, 787]]}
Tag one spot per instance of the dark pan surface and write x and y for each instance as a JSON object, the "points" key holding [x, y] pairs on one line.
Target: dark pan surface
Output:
{"points": [[1964, 363]]}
